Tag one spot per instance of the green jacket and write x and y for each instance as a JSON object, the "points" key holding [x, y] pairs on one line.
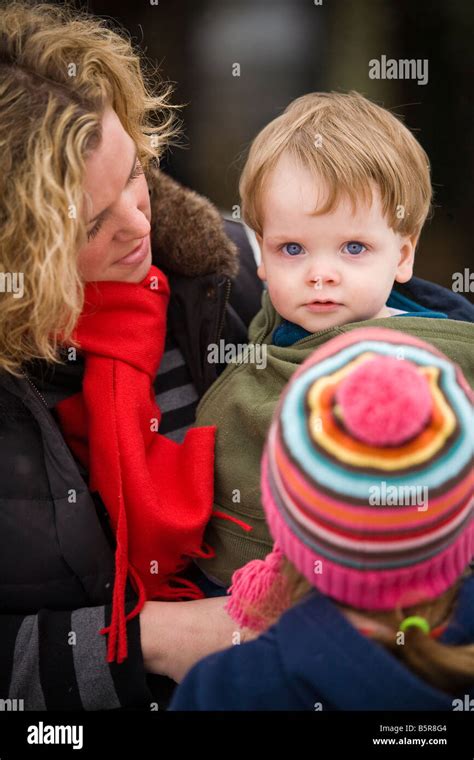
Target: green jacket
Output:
{"points": [[241, 404]]}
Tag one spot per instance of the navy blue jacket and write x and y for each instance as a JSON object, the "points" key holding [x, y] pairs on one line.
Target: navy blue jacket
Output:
{"points": [[312, 659]]}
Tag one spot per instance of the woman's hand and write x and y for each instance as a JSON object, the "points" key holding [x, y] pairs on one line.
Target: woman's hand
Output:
{"points": [[176, 635]]}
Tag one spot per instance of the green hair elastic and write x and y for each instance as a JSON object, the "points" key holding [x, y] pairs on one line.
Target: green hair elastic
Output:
{"points": [[415, 620]]}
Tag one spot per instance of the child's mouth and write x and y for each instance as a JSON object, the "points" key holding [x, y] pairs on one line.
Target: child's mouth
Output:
{"points": [[322, 306]]}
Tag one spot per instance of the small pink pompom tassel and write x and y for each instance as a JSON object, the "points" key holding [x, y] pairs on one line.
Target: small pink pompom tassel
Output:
{"points": [[258, 588]]}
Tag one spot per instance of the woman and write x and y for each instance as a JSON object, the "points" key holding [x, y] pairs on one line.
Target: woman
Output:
{"points": [[83, 203]]}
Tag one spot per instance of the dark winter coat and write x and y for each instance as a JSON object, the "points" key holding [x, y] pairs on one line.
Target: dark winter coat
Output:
{"points": [[56, 546]]}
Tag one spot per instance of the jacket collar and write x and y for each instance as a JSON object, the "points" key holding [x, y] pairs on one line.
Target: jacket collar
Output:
{"points": [[268, 320]]}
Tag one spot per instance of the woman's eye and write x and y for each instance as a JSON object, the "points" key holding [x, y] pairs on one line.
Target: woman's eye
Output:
{"points": [[292, 249], [354, 248], [95, 229], [137, 172]]}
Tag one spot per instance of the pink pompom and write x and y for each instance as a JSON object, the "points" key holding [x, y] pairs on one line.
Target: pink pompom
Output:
{"points": [[385, 401], [257, 587]]}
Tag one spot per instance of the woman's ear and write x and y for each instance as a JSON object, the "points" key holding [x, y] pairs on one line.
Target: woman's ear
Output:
{"points": [[407, 258], [261, 267]]}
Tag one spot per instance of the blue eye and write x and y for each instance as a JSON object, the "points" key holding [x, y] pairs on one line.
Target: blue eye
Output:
{"points": [[354, 248], [292, 249]]}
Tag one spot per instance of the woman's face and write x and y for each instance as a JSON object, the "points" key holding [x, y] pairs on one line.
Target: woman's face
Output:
{"points": [[117, 209]]}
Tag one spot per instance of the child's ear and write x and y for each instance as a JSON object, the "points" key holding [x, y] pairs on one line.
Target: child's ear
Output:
{"points": [[261, 267], [407, 258]]}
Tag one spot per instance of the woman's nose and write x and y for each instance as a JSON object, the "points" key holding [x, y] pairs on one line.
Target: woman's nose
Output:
{"points": [[135, 224]]}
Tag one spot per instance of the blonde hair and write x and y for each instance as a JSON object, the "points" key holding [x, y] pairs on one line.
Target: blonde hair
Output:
{"points": [[346, 142], [449, 668], [59, 69]]}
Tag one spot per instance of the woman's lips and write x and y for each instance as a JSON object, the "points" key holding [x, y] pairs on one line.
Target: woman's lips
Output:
{"points": [[138, 254], [322, 306]]}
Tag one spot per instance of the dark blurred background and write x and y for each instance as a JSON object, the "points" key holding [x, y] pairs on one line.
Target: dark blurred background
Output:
{"points": [[286, 48]]}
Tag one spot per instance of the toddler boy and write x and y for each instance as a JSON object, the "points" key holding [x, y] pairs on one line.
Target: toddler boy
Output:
{"points": [[337, 190]]}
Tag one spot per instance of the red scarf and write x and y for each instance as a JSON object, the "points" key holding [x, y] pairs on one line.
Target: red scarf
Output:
{"points": [[158, 493]]}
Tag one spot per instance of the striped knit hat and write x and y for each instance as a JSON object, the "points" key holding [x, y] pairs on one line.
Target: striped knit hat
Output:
{"points": [[367, 479]]}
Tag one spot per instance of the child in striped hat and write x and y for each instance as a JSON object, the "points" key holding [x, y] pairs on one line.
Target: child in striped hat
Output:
{"points": [[367, 601]]}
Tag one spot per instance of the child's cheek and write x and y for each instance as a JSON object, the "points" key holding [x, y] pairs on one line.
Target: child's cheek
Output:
{"points": [[277, 292]]}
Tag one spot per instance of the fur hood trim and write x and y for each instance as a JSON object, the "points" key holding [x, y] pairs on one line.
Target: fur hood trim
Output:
{"points": [[187, 235]]}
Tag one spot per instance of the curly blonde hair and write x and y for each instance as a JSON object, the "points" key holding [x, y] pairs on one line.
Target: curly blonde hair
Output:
{"points": [[59, 69]]}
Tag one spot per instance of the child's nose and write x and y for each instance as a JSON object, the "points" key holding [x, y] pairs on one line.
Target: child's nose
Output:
{"points": [[320, 274]]}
